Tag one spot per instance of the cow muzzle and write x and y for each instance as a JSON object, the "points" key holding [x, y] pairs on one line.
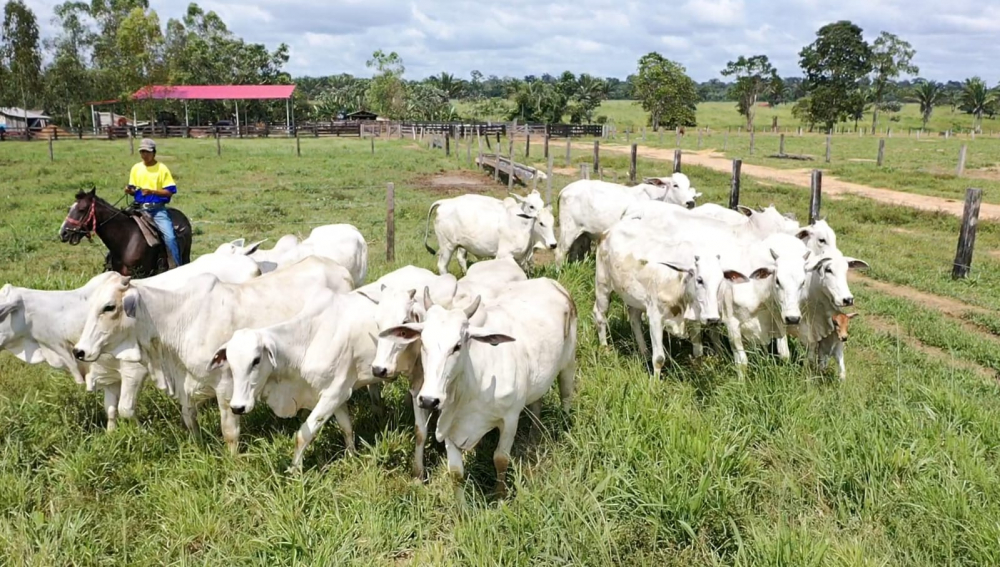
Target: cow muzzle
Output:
{"points": [[689, 204], [429, 403], [792, 320], [79, 354], [380, 371], [238, 410], [848, 301]]}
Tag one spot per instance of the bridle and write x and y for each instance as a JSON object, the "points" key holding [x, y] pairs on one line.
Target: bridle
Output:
{"points": [[89, 225]]}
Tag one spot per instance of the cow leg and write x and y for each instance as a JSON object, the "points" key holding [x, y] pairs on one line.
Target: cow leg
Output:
{"points": [[378, 407], [602, 293], [132, 376], [635, 321], [736, 340], [230, 423], [535, 415], [656, 337], [501, 457], [567, 381], [332, 402], [111, 394], [783, 351], [568, 233], [455, 466], [716, 338], [189, 411], [444, 257], [838, 353], [463, 260], [698, 349]]}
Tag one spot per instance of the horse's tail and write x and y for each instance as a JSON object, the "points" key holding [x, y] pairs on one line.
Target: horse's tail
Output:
{"points": [[427, 226]]}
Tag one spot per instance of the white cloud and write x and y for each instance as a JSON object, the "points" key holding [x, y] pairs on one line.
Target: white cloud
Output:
{"points": [[604, 37]]}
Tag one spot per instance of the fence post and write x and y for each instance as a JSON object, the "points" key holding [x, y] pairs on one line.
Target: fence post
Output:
{"points": [[828, 142], [546, 145], [752, 132], [527, 145], [131, 143], [881, 151], [781, 144], [390, 222], [447, 144], [510, 172], [961, 161], [597, 155], [468, 148], [218, 143], [677, 137], [496, 167], [967, 236], [734, 185], [677, 160], [548, 179], [815, 190], [298, 147], [568, 142], [632, 163], [52, 156], [699, 138], [373, 145]]}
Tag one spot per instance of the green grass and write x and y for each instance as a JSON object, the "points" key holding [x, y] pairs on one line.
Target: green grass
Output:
{"points": [[897, 466]]}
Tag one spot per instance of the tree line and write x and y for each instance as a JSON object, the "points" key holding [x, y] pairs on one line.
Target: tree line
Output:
{"points": [[109, 49]]}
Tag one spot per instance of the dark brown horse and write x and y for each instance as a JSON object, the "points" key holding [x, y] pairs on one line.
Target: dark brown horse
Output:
{"points": [[128, 252]]}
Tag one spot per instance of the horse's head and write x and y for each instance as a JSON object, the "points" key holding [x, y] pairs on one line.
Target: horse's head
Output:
{"points": [[81, 220]]}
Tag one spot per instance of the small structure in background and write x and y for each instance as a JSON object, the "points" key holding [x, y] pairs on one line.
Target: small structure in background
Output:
{"points": [[362, 115], [13, 118]]}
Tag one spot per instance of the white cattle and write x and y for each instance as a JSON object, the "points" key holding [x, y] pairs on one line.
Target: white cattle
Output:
{"points": [[177, 331], [342, 243], [591, 207], [820, 238], [313, 361], [668, 279], [41, 326], [487, 228], [397, 305], [762, 310], [710, 224], [826, 293], [480, 378]]}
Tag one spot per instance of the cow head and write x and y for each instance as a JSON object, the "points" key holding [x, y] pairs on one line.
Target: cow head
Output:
{"points": [[395, 307], [702, 281], [770, 221], [819, 238], [444, 336], [675, 189], [237, 248], [11, 323], [530, 204], [543, 230], [789, 279], [828, 277], [111, 322], [841, 321], [251, 357]]}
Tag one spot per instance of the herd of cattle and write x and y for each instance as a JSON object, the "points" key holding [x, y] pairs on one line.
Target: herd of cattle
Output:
{"points": [[297, 327]]}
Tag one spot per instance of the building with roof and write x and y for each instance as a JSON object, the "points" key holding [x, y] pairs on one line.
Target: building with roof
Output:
{"points": [[13, 118]]}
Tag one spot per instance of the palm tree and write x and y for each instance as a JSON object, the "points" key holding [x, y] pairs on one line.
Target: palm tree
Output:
{"points": [[976, 98], [927, 94], [447, 82]]}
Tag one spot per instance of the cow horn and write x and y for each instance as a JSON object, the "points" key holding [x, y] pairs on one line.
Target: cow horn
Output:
{"points": [[471, 309]]}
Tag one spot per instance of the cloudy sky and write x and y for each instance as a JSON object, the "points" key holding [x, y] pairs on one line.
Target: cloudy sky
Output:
{"points": [[602, 37]]}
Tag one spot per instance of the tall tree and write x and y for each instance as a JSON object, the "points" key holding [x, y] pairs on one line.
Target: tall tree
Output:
{"points": [[452, 87], [665, 91], [977, 99], [927, 94], [891, 57], [834, 67], [387, 92], [67, 78], [21, 53], [753, 79]]}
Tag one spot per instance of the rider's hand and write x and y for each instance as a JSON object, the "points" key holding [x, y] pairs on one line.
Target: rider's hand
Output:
{"points": [[130, 190]]}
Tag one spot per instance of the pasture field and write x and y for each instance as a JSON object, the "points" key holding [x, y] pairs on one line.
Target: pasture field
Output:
{"points": [[896, 466]]}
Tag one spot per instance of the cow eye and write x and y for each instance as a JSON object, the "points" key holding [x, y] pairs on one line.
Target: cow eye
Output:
{"points": [[457, 348], [822, 241], [255, 362], [700, 281], [108, 308], [777, 281], [829, 270]]}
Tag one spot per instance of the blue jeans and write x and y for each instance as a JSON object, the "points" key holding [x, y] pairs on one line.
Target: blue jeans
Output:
{"points": [[166, 227]]}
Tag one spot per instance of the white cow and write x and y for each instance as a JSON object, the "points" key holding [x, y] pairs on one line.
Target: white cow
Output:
{"points": [[826, 293], [342, 243], [668, 279], [591, 207], [683, 223], [177, 331], [41, 326], [480, 378], [762, 310], [820, 238], [312, 361], [398, 305], [487, 228]]}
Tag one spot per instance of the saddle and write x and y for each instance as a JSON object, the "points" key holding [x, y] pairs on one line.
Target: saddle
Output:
{"points": [[149, 231]]}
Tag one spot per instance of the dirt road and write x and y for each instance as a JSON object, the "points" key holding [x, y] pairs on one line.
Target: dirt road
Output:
{"points": [[800, 177]]}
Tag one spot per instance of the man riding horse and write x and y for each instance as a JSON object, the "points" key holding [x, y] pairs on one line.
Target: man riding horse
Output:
{"points": [[152, 186]]}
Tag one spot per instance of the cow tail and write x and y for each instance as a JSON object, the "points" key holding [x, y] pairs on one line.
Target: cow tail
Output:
{"points": [[428, 226]]}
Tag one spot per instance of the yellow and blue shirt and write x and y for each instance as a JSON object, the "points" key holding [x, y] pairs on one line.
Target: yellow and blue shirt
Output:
{"points": [[155, 177]]}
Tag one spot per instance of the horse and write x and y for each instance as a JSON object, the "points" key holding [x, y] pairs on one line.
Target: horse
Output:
{"points": [[128, 252]]}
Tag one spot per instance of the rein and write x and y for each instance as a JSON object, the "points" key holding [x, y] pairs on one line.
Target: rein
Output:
{"points": [[89, 225]]}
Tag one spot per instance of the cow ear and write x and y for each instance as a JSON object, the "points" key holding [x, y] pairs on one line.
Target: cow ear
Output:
{"points": [[369, 294], [489, 337], [818, 263], [773, 253], [271, 349], [404, 334], [239, 242], [219, 359], [734, 276], [676, 267], [852, 315], [654, 181], [470, 310], [747, 211], [427, 298], [761, 273], [517, 197], [8, 308], [253, 247], [697, 195], [804, 234], [412, 293], [855, 264], [524, 216], [806, 255], [129, 304]]}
